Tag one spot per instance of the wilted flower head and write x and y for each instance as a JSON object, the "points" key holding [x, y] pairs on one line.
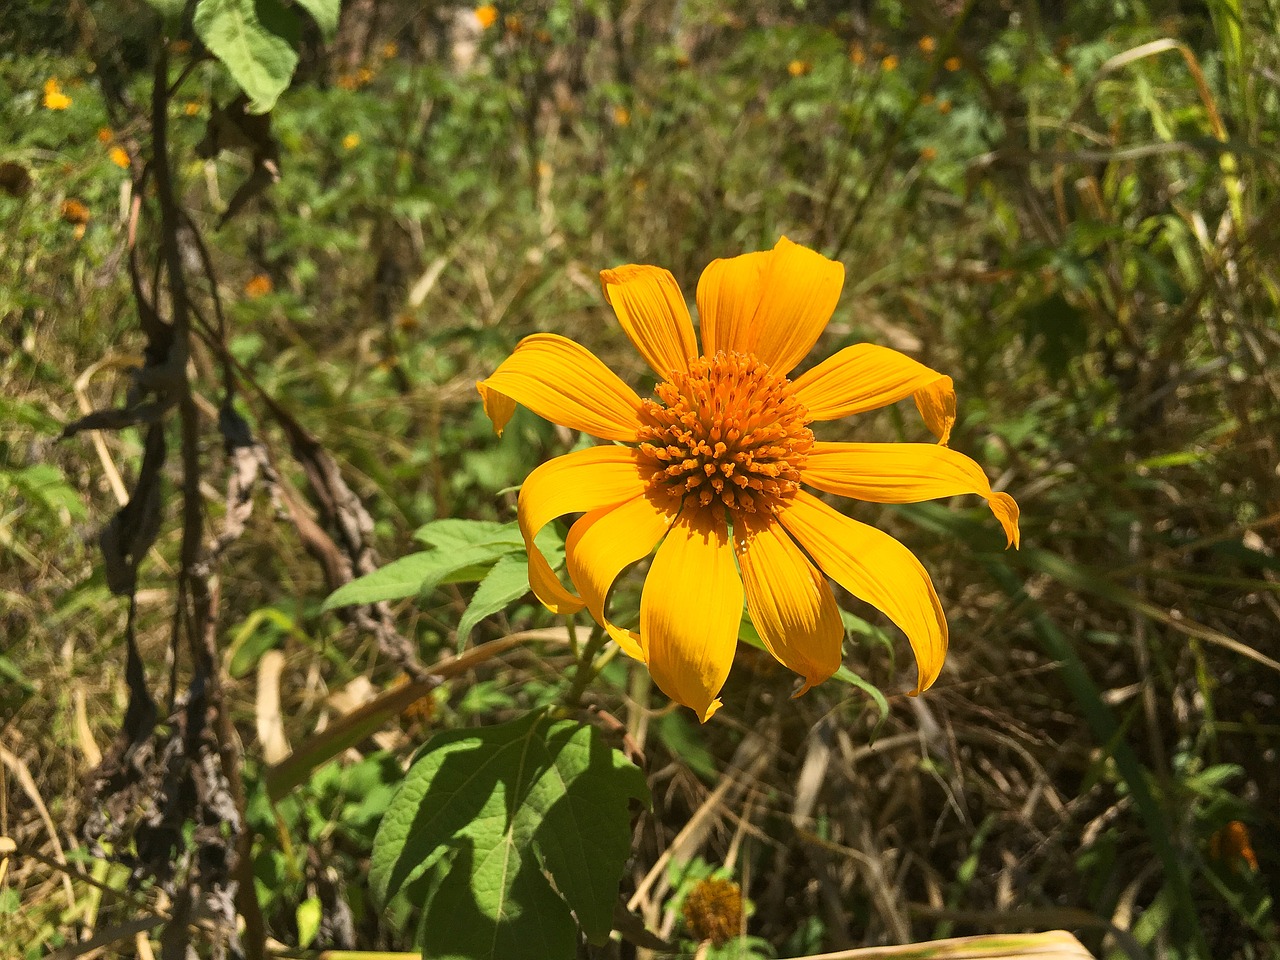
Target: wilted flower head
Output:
{"points": [[713, 910]]}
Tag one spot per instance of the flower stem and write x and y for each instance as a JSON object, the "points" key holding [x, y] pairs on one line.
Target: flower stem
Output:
{"points": [[586, 669]]}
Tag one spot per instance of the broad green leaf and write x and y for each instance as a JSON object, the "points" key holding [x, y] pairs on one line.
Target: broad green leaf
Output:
{"points": [[485, 814], [453, 534], [507, 582], [417, 573], [253, 41], [325, 14]]}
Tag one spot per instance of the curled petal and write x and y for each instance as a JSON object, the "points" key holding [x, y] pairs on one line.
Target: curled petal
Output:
{"points": [[729, 293], [866, 377], [790, 602], [904, 473], [799, 292], [876, 568], [565, 383], [575, 483], [602, 544], [690, 610], [653, 313]]}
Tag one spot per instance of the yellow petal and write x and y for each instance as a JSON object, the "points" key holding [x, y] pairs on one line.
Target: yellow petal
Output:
{"points": [[904, 473], [729, 293], [690, 610], [602, 544], [876, 568], [865, 377], [790, 602], [575, 483], [565, 383], [653, 313], [799, 291]]}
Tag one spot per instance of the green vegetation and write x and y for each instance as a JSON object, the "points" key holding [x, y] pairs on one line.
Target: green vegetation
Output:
{"points": [[1073, 210]]}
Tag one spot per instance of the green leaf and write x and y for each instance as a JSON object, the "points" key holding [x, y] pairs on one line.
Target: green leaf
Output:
{"points": [[254, 42], [507, 582], [325, 14], [417, 573], [486, 814], [308, 915], [454, 534], [169, 9], [845, 675]]}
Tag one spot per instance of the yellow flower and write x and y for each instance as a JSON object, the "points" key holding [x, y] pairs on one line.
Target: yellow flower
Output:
{"points": [[74, 211], [927, 44], [54, 98], [191, 108], [889, 63], [119, 156], [944, 106], [390, 50], [726, 440], [857, 55], [621, 116], [351, 141], [926, 99], [105, 135], [952, 64], [487, 15], [928, 153], [798, 68], [258, 286]]}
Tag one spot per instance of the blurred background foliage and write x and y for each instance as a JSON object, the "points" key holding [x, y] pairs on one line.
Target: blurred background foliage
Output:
{"points": [[1073, 209]]}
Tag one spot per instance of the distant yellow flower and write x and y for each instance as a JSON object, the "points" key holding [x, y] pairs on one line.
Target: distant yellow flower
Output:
{"points": [[542, 36], [952, 64], [928, 153], [54, 98], [119, 156], [926, 99], [390, 50], [878, 48], [726, 440], [74, 211], [513, 23], [191, 108], [364, 75], [682, 59], [889, 63], [258, 286], [351, 141], [1232, 845], [180, 46], [105, 135], [857, 55], [621, 116], [927, 44], [798, 68], [944, 106], [487, 15]]}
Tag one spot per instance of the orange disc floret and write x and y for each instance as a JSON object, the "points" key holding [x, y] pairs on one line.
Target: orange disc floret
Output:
{"points": [[730, 431]]}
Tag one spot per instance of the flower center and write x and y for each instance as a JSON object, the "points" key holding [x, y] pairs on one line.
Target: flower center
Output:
{"points": [[729, 430]]}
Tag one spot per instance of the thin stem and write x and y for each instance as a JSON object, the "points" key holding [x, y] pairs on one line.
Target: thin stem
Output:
{"points": [[586, 670]]}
